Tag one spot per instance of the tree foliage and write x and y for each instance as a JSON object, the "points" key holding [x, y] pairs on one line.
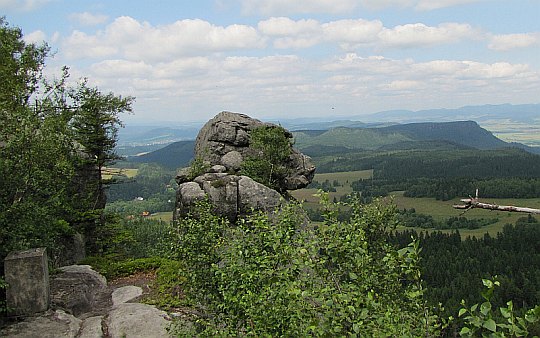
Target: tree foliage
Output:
{"points": [[54, 138], [271, 150], [278, 276]]}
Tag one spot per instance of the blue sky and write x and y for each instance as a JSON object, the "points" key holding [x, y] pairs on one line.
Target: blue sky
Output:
{"points": [[188, 60]]}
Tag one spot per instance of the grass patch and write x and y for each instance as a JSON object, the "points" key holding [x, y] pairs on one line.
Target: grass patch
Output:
{"points": [[108, 173], [113, 266], [165, 216], [168, 288], [441, 210]]}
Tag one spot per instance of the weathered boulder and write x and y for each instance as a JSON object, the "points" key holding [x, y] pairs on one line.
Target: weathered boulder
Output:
{"points": [[53, 324], [137, 320], [77, 288], [230, 195], [222, 145], [225, 140], [125, 294]]}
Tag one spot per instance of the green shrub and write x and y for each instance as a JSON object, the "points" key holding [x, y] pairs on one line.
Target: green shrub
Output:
{"points": [[169, 285], [278, 276], [197, 167], [136, 237], [114, 266], [482, 321], [273, 149]]}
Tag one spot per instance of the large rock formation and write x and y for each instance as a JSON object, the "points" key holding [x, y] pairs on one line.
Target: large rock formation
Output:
{"points": [[222, 145]]}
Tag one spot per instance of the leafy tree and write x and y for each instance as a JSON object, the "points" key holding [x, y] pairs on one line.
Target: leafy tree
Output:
{"points": [[33, 194], [54, 139], [95, 122], [271, 150]]}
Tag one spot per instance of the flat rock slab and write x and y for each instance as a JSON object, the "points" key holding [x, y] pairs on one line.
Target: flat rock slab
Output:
{"points": [[132, 320], [91, 328], [125, 294], [57, 324]]}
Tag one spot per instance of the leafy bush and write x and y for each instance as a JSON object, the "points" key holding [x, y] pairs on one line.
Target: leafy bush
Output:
{"points": [[278, 276], [169, 284], [197, 167], [272, 149], [136, 237], [481, 321]]}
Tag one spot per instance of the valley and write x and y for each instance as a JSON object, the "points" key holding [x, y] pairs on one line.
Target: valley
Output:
{"points": [[423, 168]]}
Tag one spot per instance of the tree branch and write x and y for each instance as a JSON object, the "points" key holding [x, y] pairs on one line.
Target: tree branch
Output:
{"points": [[471, 203]]}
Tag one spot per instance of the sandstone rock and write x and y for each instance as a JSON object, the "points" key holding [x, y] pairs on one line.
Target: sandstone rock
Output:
{"points": [[125, 294], [54, 324], [132, 320], [255, 195], [91, 328], [223, 143], [232, 160], [76, 289], [217, 168], [183, 175], [233, 196]]}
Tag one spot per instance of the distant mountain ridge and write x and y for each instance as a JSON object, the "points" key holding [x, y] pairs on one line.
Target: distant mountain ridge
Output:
{"points": [[466, 133], [175, 155], [343, 140], [524, 113]]}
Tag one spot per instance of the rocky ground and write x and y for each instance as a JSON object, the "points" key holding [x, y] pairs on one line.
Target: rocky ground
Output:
{"points": [[85, 306]]}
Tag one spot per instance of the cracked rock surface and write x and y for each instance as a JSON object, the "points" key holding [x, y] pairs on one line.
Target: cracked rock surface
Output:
{"points": [[84, 306], [222, 144]]}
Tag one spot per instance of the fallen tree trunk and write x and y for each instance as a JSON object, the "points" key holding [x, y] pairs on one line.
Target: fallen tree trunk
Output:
{"points": [[470, 203]]}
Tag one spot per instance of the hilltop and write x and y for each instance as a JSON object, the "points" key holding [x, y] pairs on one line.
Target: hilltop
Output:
{"points": [[344, 140]]}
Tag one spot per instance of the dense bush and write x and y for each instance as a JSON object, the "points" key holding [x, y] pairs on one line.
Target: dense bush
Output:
{"points": [[272, 149], [280, 276]]}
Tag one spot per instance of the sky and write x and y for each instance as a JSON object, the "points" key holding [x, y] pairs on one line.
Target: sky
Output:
{"points": [[187, 60]]}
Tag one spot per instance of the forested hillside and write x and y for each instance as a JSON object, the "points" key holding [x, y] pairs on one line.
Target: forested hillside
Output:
{"points": [[175, 155], [451, 267]]}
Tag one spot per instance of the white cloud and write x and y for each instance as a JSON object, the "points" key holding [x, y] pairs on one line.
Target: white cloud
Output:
{"points": [[352, 31], [36, 37], [351, 34], [418, 34], [121, 68], [88, 19], [402, 85], [23, 5], [81, 45], [278, 83], [129, 38], [291, 34], [507, 42], [282, 26]]}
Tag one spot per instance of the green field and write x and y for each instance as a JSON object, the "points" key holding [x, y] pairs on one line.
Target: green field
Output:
{"points": [[165, 216], [440, 210], [108, 173], [511, 131]]}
